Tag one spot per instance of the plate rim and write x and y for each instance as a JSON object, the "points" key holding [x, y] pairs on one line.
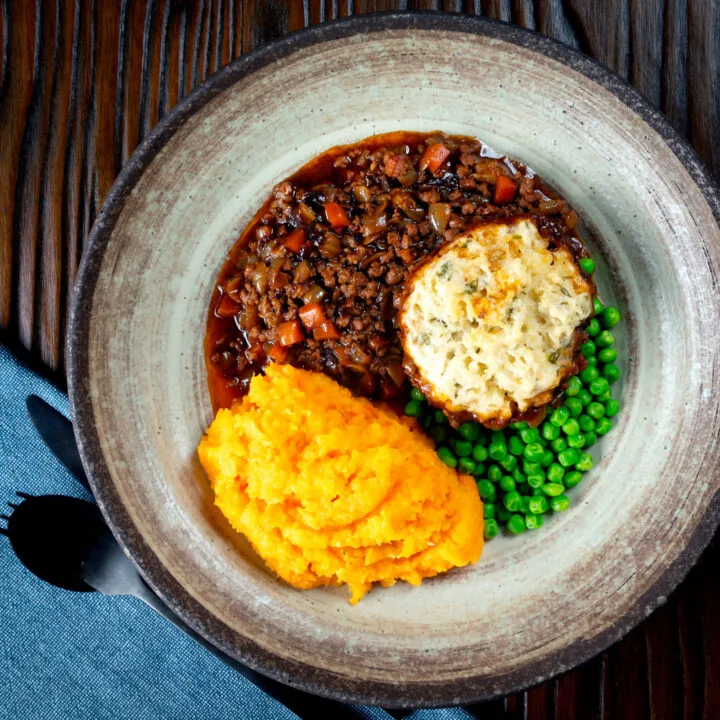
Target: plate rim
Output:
{"points": [[306, 677]]}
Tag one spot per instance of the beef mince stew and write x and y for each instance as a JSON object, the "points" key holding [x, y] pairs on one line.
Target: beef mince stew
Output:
{"points": [[316, 278]]}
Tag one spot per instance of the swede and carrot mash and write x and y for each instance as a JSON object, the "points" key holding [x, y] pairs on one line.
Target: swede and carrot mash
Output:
{"points": [[330, 489]]}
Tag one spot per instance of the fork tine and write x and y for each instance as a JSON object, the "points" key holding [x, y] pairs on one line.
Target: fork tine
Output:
{"points": [[4, 532], [13, 506], [5, 517], [23, 495]]}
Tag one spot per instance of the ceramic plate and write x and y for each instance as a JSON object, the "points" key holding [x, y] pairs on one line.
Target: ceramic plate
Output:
{"points": [[534, 605]]}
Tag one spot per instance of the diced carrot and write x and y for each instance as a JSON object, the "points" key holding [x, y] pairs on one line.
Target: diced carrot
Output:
{"points": [[336, 215], [227, 307], [290, 332], [296, 241], [433, 157], [312, 315], [505, 190], [278, 353], [326, 331]]}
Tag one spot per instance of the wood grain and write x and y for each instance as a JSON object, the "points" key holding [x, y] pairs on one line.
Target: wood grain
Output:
{"points": [[82, 82]]}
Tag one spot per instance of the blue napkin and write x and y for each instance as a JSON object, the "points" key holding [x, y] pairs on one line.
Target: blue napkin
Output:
{"points": [[84, 656]]}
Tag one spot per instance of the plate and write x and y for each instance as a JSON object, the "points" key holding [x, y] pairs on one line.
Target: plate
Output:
{"points": [[535, 605]]}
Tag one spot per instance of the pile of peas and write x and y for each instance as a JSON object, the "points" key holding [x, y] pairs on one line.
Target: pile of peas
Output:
{"points": [[523, 473]]}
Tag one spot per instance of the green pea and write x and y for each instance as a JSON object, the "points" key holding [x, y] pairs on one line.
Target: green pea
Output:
{"points": [[550, 431], [603, 426], [536, 480], [560, 503], [576, 441], [559, 445], [440, 418], [479, 453], [509, 462], [497, 451], [588, 349], [489, 510], [538, 505], [487, 490], [589, 374], [587, 265], [530, 435], [466, 465], [491, 529], [524, 505], [537, 492], [585, 462], [599, 386], [507, 484], [427, 422], [534, 451], [586, 423], [534, 522], [438, 433], [495, 473], [555, 473], [560, 416], [595, 410], [529, 467], [584, 397], [553, 489], [593, 328], [518, 476], [446, 455], [413, 408], [415, 394], [480, 469], [590, 438], [571, 427], [605, 339], [611, 373], [513, 501], [607, 395], [592, 361], [498, 436], [597, 306], [503, 514], [516, 524], [515, 445], [607, 355], [573, 406], [572, 479], [574, 386], [547, 458], [612, 407], [469, 431], [610, 317], [568, 457], [463, 448]]}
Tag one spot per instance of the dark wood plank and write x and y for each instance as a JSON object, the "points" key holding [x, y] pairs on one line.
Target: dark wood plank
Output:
{"points": [[703, 80], [19, 21], [665, 671], [50, 227], [627, 692]]}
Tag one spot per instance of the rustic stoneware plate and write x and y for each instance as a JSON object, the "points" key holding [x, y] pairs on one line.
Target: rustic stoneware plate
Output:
{"points": [[536, 604]]}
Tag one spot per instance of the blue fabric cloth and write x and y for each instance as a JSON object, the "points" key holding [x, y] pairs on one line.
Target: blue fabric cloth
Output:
{"points": [[68, 655]]}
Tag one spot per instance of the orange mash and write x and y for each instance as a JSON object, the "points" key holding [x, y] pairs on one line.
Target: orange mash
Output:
{"points": [[331, 489]]}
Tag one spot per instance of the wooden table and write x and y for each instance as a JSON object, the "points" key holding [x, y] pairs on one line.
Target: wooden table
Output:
{"points": [[83, 81]]}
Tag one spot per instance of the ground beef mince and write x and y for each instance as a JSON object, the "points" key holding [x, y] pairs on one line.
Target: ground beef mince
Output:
{"points": [[316, 278]]}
